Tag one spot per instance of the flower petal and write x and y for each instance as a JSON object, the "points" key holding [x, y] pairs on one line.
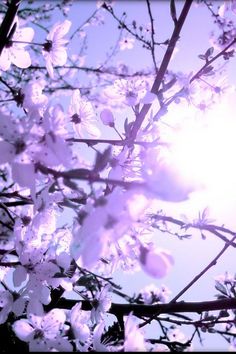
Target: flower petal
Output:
{"points": [[19, 275], [23, 330], [7, 152], [21, 58]]}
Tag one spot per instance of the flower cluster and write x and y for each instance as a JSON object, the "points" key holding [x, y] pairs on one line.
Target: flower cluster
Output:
{"points": [[77, 205]]}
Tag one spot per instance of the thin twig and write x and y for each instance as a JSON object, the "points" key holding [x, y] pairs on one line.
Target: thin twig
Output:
{"points": [[198, 276], [163, 67], [152, 35]]}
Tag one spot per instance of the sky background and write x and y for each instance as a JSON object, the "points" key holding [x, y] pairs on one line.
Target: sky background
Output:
{"points": [[191, 256]]}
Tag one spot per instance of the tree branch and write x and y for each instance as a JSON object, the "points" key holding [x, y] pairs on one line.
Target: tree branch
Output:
{"points": [[163, 67], [198, 276], [214, 229], [7, 22], [150, 310]]}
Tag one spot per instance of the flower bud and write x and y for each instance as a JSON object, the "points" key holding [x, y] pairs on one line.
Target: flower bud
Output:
{"points": [[107, 117]]}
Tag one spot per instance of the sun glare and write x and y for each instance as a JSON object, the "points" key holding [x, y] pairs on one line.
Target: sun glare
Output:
{"points": [[203, 144]]}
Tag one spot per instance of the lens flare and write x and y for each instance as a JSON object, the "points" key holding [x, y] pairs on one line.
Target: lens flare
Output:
{"points": [[203, 145]]}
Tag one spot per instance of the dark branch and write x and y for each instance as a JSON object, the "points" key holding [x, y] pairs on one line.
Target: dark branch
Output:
{"points": [[150, 310], [7, 22], [163, 67]]}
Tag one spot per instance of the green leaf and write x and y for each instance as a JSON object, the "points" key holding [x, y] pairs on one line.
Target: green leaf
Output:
{"points": [[202, 56], [221, 288], [207, 70], [209, 52], [102, 159]]}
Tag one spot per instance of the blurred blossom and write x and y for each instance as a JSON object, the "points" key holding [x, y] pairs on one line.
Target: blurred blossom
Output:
{"points": [[100, 3], [226, 278], [6, 303], [107, 117], [129, 92], [134, 337], [54, 50], [176, 335], [229, 5], [105, 224], [34, 99], [152, 294], [126, 43], [161, 348], [155, 262]]}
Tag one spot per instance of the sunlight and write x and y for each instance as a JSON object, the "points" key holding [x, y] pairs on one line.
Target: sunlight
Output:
{"points": [[203, 144]]}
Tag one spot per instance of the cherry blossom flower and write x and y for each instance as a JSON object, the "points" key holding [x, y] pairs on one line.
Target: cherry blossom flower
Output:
{"points": [[16, 138], [78, 321], [152, 294], [227, 6], [107, 117], [155, 262], [105, 224], [99, 343], [97, 335], [34, 101], [134, 338], [54, 50], [129, 92], [100, 3], [6, 303], [161, 348], [126, 43], [175, 335], [101, 304], [12, 301], [43, 331], [54, 149], [82, 116], [37, 269], [18, 146], [14, 51], [226, 278]]}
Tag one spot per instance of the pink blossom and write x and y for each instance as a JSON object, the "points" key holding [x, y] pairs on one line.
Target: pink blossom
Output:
{"points": [[155, 262], [14, 52], [82, 116], [107, 117], [152, 294], [126, 43], [227, 6], [129, 92], [6, 303], [78, 321], [54, 50], [102, 304], [43, 331], [134, 338], [54, 149], [35, 101]]}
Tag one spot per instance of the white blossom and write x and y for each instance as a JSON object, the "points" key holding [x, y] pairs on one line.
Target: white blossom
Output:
{"points": [[54, 50]]}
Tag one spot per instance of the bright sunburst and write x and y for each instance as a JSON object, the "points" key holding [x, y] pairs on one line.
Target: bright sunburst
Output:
{"points": [[203, 144]]}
